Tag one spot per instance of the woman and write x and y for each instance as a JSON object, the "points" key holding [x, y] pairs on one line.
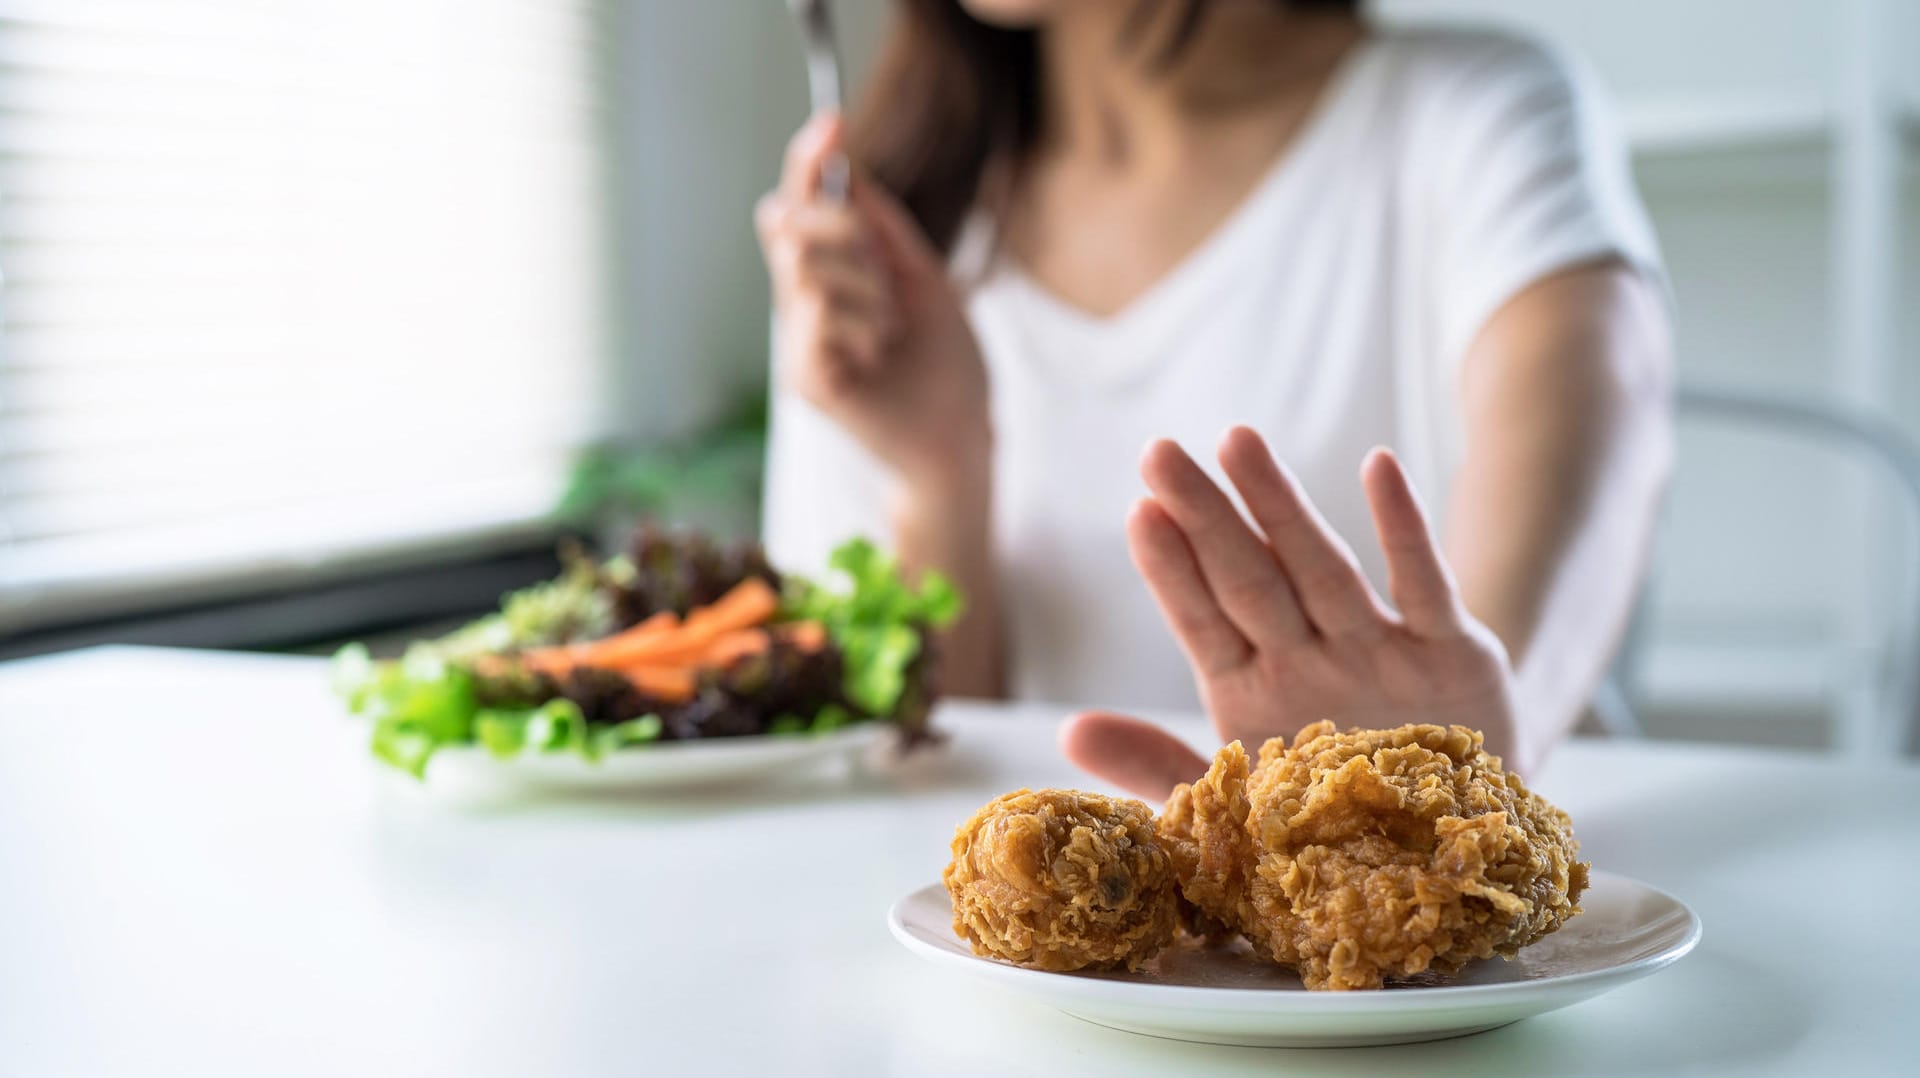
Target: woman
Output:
{"points": [[1082, 226]]}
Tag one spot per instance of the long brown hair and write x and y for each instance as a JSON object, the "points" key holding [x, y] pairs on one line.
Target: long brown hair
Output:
{"points": [[950, 94]]}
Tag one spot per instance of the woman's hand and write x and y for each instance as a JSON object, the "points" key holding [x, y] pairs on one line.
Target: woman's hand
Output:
{"points": [[869, 329], [1281, 627]]}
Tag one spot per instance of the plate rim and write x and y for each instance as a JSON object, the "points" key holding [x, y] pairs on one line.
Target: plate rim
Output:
{"points": [[1434, 997], [690, 747]]}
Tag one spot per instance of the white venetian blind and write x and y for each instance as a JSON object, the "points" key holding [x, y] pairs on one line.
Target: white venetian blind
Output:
{"points": [[287, 281]]}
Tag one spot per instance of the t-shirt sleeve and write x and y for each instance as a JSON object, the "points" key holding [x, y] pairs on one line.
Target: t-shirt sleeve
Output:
{"points": [[1531, 176], [822, 487]]}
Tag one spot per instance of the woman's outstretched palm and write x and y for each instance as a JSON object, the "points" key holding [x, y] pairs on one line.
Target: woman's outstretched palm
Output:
{"points": [[1279, 624]]}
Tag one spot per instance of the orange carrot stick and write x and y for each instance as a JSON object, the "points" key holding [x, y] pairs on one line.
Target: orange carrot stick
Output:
{"points": [[621, 647], [663, 654], [671, 683], [738, 644], [607, 650], [750, 603], [808, 636]]}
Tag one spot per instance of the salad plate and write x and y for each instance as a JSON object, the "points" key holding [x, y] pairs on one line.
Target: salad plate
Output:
{"points": [[681, 662], [672, 765], [1227, 995]]}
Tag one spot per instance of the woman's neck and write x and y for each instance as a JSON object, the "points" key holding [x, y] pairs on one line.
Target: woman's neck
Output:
{"points": [[1113, 89]]}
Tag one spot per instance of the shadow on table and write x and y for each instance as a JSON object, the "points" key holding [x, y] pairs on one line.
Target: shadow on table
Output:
{"points": [[1739, 1013], [1712, 818]]}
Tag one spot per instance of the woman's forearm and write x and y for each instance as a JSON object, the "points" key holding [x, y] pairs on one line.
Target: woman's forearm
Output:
{"points": [[1558, 569], [1553, 512], [946, 523]]}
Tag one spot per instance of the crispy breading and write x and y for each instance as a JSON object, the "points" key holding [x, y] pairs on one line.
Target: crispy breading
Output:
{"points": [[1373, 855], [1062, 880]]}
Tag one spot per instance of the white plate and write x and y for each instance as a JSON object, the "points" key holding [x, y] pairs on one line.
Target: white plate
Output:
{"points": [[1227, 996], [668, 765]]}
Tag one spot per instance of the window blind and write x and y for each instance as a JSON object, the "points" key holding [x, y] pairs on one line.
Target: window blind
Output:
{"points": [[287, 283]]}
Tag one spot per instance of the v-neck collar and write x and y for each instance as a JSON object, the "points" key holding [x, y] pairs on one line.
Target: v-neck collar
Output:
{"points": [[1193, 270]]}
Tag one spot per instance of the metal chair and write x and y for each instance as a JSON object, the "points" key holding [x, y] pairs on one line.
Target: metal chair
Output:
{"points": [[1879, 713]]}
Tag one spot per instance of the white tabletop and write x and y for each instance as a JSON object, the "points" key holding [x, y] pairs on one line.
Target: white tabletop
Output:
{"points": [[201, 872]]}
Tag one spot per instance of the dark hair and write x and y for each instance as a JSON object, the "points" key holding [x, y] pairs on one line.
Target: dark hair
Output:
{"points": [[951, 93]]}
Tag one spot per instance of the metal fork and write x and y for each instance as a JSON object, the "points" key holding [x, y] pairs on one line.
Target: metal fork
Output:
{"points": [[823, 84]]}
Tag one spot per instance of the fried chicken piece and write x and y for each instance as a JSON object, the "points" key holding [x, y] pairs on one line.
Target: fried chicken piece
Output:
{"points": [[1062, 880], [1371, 855]]}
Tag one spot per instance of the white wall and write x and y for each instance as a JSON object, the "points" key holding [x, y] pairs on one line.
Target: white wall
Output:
{"points": [[1654, 50], [706, 94]]}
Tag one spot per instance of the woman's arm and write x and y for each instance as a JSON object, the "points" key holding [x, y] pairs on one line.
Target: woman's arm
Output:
{"points": [[1569, 442], [948, 525], [869, 330]]}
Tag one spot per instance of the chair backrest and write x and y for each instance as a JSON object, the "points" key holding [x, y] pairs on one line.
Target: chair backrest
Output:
{"points": [[1887, 718]]}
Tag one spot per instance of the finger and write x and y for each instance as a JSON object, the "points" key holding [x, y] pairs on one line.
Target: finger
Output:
{"points": [[1241, 572], [1422, 587], [900, 236], [859, 342], [836, 228], [856, 335], [1318, 563], [1136, 756], [850, 286], [800, 169], [825, 379], [812, 238], [806, 230], [831, 342], [1166, 562], [769, 213], [850, 281]]}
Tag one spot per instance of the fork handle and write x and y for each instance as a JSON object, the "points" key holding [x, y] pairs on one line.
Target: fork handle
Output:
{"points": [[836, 177]]}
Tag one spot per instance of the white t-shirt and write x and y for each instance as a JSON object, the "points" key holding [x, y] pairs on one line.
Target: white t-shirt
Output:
{"points": [[1442, 172]]}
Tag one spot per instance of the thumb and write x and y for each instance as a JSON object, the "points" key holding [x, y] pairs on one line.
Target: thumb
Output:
{"points": [[1136, 756], [823, 134]]}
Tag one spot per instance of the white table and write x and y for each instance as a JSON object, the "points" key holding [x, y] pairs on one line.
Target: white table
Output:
{"points": [[202, 873]]}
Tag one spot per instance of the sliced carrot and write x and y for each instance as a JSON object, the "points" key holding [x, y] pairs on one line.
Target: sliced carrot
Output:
{"points": [[606, 651], [662, 656], [670, 683], [623, 647], [750, 603], [808, 636], [697, 651], [738, 644], [555, 661]]}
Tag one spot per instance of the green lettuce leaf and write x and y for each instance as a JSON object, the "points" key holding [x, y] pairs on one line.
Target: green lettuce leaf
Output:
{"points": [[573, 606], [423, 704], [832, 717], [501, 731], [879, 621], [638, 731]]}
